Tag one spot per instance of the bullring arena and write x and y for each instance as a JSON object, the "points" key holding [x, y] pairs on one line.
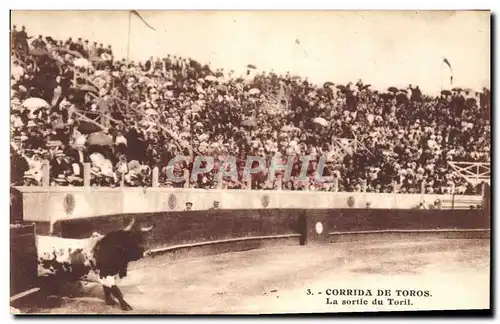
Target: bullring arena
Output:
{"points": [[265, 260], [275, 279]]}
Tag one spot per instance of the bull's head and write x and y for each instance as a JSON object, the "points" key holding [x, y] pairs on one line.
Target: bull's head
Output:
{"points": [[131, 226], [134, 243]]}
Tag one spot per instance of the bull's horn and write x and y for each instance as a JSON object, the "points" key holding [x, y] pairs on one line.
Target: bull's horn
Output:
{"points": [[130, 225], [147, 229]]}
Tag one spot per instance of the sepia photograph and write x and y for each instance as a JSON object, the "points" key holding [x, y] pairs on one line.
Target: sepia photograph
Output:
{"points": [[239, 162]]}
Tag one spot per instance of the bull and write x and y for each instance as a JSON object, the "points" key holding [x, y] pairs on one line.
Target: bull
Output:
{"points": [[100, 258]]}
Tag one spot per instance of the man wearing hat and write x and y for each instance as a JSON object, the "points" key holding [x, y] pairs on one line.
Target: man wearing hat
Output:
{"points": [[21, 40], [73, 45], [100, 50], [86, 46], [18, 166], [58, 165], [16, 143], [29, 180], [35, 137], [38, 43], [189, 206], [13, 34], [68, 42], [215, 206], [79, 45], [51, 43]]}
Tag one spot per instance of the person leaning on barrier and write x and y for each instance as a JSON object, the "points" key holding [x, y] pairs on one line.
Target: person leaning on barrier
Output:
{"points": [[215, 205], [421, 205], [436, 204]]}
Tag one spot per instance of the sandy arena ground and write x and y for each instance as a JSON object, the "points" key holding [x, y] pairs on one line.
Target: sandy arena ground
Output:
{"points": [[276, 279]]}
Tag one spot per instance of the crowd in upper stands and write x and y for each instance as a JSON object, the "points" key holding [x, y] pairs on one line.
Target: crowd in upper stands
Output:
{"points": [[73, 102]]}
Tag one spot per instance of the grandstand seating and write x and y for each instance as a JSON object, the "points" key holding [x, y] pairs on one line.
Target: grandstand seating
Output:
{"points": [[125, 118]]}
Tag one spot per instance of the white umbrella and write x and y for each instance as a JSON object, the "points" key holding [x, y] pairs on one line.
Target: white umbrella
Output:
{"points": [[254, 91], [81, 62], [35, 103], [211, 78], [321, 121]]}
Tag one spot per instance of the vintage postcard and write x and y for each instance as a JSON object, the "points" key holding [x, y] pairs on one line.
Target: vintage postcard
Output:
{"points": [[249, 162]]}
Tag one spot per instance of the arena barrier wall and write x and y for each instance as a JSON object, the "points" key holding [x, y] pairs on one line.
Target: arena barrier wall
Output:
{"points": [[57, 203], [193, 228]]}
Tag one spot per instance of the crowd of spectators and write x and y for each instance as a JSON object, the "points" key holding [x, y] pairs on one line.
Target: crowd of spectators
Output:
{"points": [[152, 111]]}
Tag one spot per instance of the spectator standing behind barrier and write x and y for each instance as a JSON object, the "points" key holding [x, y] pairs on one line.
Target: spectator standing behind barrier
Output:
{"points": [[59, 166], [215, 205], [189, 206]]}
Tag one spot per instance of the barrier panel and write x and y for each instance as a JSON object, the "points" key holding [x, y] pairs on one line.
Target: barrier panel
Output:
{"points": [[16, 206], [487, 199], [58, 203], [316, 225], [346, 220], [175, 228], [192, 227], [23, 258]]}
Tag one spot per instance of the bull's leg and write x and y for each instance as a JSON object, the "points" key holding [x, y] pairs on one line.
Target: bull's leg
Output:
{"points": [[118, 294], [108, 297]]}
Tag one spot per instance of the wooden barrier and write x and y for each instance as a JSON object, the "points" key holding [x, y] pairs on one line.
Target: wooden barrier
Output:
{"points": [[16, 206], [57, 203], [203, 227], [174, 228], [23, 259]]}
